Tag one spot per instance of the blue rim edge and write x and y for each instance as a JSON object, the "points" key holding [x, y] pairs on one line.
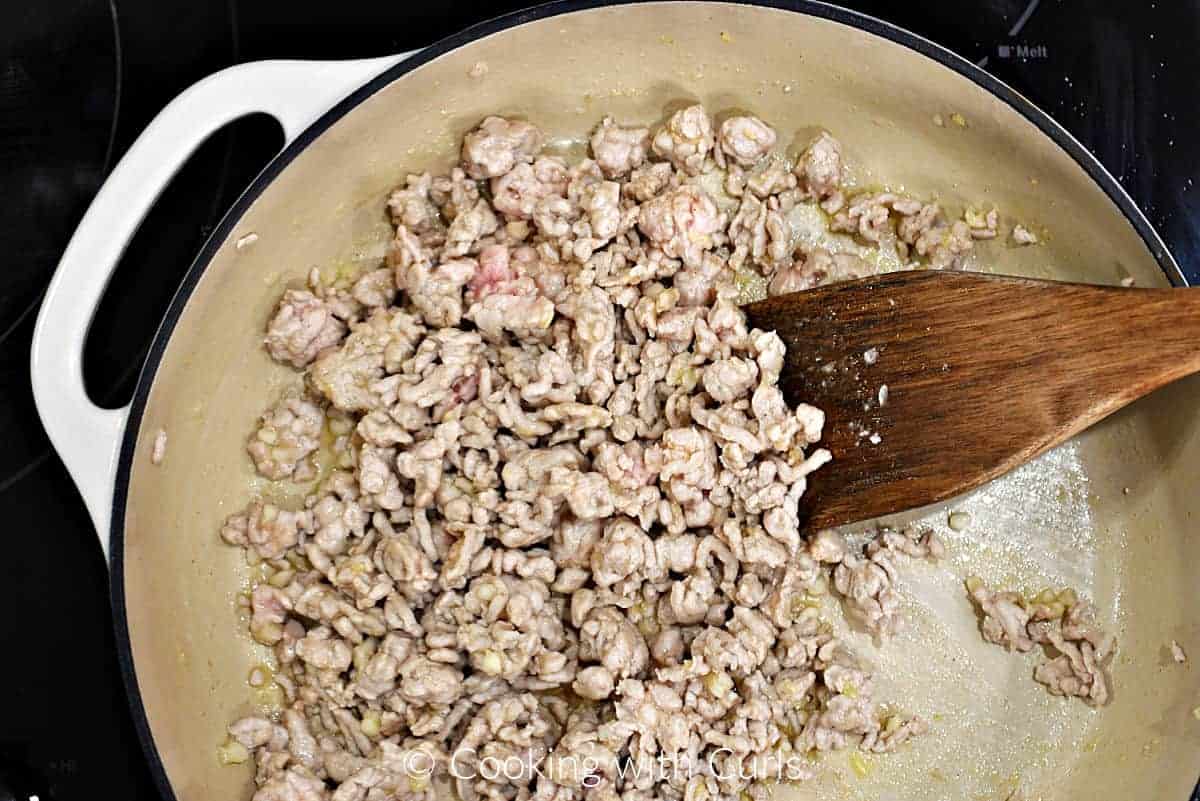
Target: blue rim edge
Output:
{"points": [[854, 19]]}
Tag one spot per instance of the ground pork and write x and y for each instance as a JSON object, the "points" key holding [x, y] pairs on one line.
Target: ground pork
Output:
{"points": [[1078, 650], [498, 145], [1023, 236], [744, 140], [558, 468], [686, 139], [866, 581], [913, 229], [287, 436], [617, 149], [303, 326], [820, 169]]}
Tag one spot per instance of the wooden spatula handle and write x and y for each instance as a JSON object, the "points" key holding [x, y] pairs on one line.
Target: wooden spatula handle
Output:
{"points": [[1089, 350], [983, 374]]}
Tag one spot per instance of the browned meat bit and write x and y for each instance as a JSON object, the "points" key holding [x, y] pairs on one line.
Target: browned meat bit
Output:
{"points": [[617, 149], [498, 145], [303, 326], [744, 140], [686, 139]]}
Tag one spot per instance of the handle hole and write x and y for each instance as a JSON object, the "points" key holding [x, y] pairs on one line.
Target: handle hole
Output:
{"points": [[163, 249]]}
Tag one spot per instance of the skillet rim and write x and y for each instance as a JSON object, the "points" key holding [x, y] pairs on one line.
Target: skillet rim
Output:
{"points": [[814, 8]]}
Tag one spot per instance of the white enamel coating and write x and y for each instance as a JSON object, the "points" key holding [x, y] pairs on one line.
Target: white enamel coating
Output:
{"points": [[87, 437]]}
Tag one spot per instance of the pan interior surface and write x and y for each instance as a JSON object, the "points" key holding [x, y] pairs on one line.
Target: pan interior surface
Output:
{"points": [[1108, 514]]}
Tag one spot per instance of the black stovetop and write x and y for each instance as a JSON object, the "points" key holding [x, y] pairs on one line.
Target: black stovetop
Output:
{"points": [[80, 78]]}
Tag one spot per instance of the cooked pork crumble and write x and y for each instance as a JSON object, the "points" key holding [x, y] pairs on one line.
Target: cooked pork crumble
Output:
{"points": [[1023, 236], [1061, 621], [552, 528], [159, 450]]}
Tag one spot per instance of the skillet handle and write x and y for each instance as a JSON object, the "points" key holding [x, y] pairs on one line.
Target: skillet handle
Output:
{"points": [[87, 437]]}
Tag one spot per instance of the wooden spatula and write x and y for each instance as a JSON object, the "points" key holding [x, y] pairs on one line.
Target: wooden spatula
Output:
{"points": [[936, 382]]}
